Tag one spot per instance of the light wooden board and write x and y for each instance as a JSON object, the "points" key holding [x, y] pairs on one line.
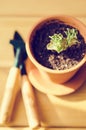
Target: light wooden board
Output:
{"points": [[26, 128], [42, 7]]}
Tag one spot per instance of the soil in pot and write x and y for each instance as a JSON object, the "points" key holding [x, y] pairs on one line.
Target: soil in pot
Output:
{"points": [[50, 58]]}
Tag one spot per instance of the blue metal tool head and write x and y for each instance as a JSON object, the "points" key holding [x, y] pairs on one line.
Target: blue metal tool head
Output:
{"points": [[19, 48], [19, 44]]}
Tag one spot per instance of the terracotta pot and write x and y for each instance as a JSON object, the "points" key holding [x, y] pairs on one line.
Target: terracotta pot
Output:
{"points": [[47, 74]]}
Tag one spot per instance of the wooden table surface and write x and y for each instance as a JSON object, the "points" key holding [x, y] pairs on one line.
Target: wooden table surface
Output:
{"points": [[56, 112]]}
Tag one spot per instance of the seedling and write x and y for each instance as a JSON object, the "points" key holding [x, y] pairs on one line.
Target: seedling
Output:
{"points": [[60, 43]]}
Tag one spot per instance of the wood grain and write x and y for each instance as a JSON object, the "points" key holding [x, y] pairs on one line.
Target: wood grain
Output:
{"points": [[42, 128], [42, 8]]}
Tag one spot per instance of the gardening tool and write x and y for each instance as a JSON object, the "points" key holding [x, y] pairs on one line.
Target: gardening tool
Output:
{"points": [[27, 91], [12, 85], [29, 100]]}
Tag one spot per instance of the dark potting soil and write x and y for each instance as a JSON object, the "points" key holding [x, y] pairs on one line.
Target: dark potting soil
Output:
{"points": [[52, 59]]}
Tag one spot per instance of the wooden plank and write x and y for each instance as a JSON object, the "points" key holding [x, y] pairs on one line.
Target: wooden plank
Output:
{"points": [[7, 28], [27, 128], [42, 8]]}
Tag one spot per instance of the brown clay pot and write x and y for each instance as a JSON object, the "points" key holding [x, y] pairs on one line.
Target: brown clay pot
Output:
{"points": [[47, 74]]}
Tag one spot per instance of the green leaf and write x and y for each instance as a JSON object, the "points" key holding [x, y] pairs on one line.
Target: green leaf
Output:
{"points": [[60, 43]]}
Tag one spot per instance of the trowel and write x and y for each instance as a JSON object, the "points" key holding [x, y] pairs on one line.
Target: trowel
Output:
{"points": [[12, 86]]}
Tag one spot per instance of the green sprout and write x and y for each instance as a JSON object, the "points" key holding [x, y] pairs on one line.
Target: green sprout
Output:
{"points": [[60, 43]]}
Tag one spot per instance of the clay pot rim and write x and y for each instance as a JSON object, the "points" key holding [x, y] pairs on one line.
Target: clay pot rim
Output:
{"points": [[43, 20]]}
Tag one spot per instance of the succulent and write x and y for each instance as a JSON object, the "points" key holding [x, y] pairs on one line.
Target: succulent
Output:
{"points": [[60, 43]]}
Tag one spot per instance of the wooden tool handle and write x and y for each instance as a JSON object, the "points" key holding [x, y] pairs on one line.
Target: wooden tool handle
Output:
{"points": [[10, 92], [29, 102]]}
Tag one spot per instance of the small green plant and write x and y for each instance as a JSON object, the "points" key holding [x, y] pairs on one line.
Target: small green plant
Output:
{"points": [[60, 43]]}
